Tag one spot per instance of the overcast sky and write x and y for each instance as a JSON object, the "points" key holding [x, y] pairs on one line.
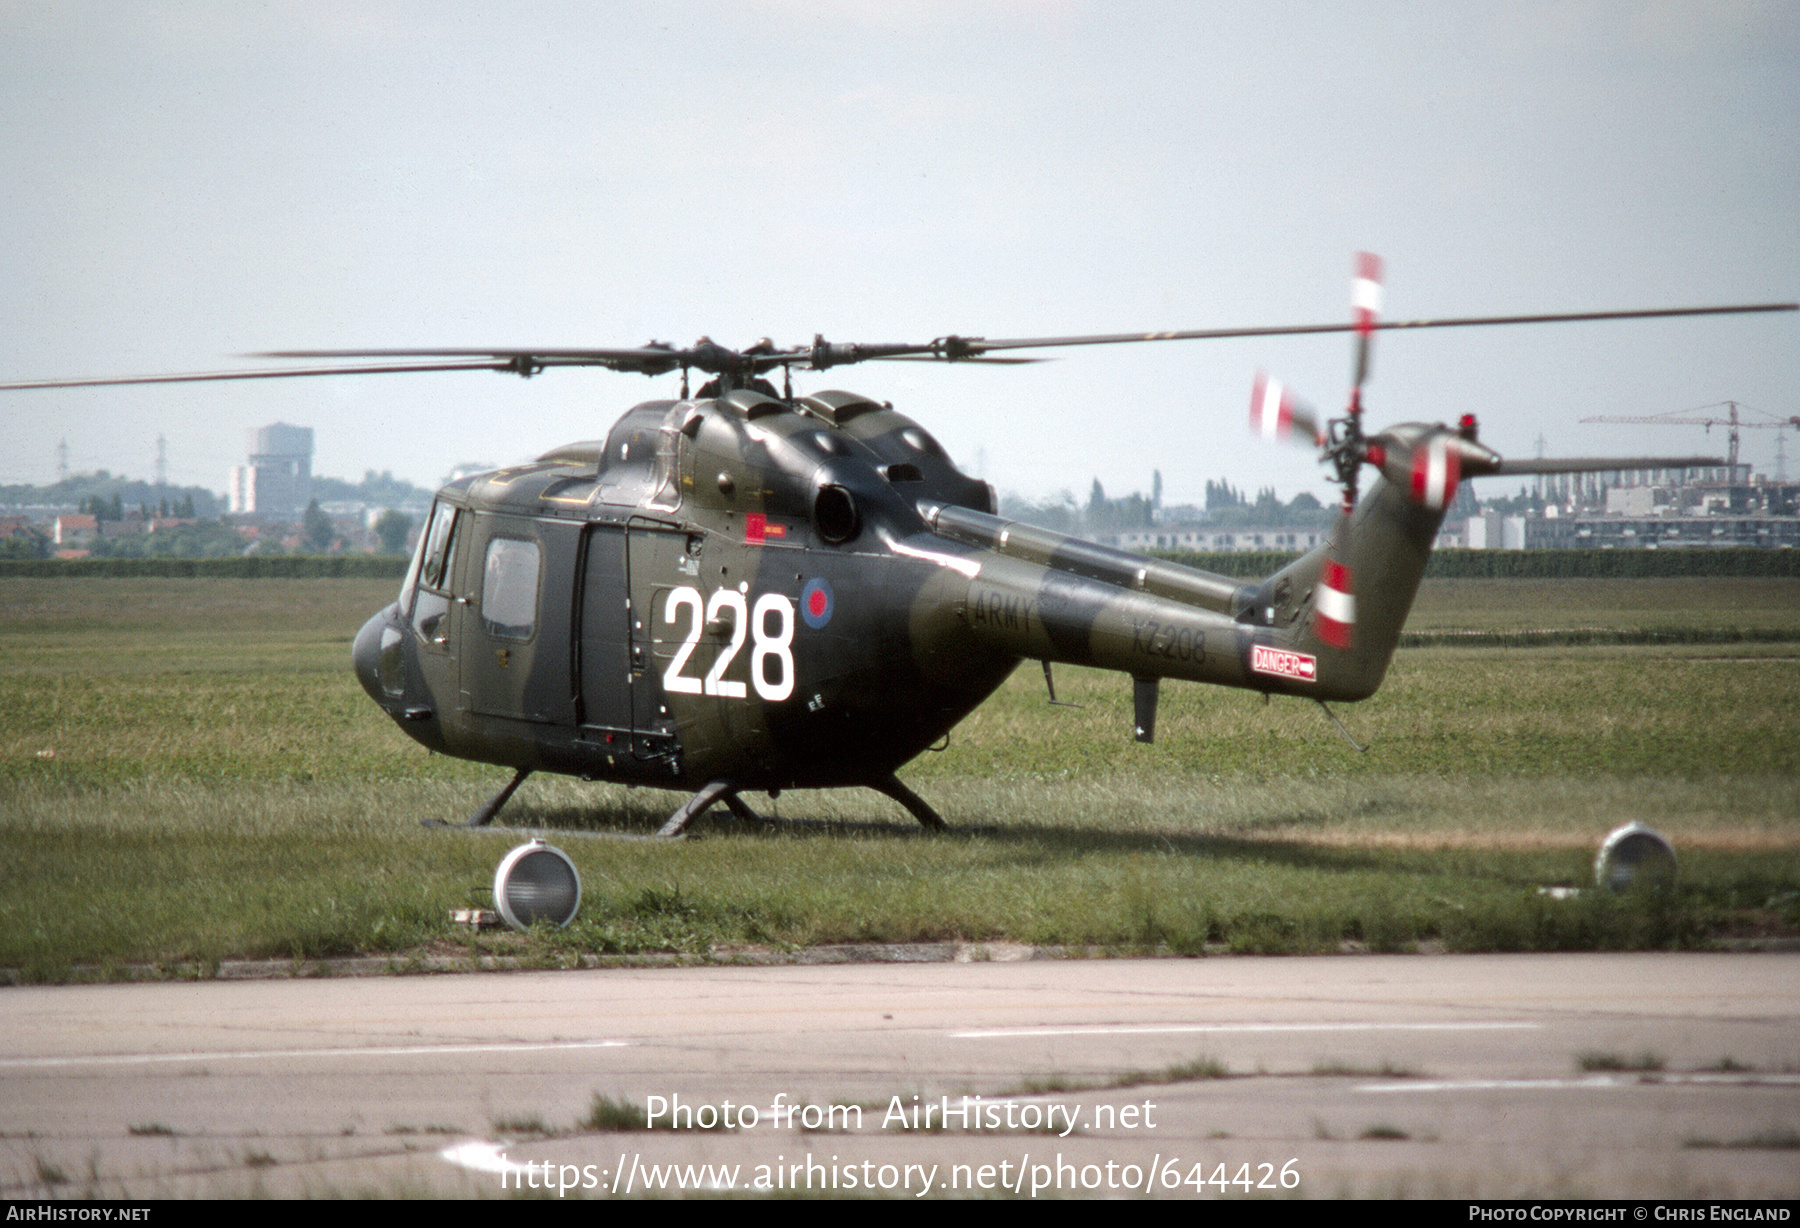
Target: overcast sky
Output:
{"points": [[187, 182]]}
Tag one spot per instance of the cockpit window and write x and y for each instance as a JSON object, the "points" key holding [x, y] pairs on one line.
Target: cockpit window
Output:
{"points": [[666, 494], [434, 553], [509, 588], [431, 571]]}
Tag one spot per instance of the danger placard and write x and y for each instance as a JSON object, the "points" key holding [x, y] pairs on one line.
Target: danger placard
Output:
{"points": [[1284, 664]]}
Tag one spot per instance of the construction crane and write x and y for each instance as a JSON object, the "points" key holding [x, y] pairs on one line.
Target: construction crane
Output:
{"points": [[1699, 417]]}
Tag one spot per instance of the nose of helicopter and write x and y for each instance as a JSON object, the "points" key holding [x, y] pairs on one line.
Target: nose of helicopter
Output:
{"points": [[376, 656]]}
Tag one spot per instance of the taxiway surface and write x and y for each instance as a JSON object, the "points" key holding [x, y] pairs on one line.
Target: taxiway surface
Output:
{"points": [[1638, 1075]]}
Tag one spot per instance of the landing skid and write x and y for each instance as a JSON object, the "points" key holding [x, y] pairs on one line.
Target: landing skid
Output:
{"points": [[725, 791], [697, 805], [484, 816], [712, 794], [915, 805]]}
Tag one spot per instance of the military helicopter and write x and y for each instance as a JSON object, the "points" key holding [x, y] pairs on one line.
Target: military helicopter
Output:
{"points": [[752, 590]]}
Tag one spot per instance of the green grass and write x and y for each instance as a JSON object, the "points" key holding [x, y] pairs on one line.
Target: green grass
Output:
{"points": [[1342, 1070], [1737, 602], [1192, 1071], [189, 774], [1642, 1063], [1384, 1133], [608, 1115]]}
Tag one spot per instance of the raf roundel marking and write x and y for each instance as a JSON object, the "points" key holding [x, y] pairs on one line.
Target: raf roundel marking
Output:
{"points": [[816, 603]]}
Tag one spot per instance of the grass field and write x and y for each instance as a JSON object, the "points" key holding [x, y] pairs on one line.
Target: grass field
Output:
{"points": [[189, 773]]}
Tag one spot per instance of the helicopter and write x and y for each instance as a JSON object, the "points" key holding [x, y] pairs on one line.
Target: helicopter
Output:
{"points": [[749, 590]]}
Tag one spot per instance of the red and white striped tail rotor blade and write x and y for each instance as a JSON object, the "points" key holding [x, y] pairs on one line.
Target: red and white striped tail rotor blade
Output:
{"points": [[1334, 609], [1365, 306], [1275, 414], [1365, 291], [1436, 469]]}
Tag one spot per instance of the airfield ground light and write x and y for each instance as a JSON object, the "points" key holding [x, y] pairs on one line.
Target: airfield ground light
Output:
{"points": [[537, 882], [1635, 857]]}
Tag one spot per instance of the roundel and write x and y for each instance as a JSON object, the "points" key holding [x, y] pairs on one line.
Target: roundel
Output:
{"points": [[816, 603]]}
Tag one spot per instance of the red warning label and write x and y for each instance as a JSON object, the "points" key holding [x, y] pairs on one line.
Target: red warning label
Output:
{"points": [[1283, 664]]}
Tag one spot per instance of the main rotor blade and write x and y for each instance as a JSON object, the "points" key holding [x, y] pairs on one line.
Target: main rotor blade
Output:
{"points": [[994, 362], [652, 358], [198, 377], [981, 345], [707, 355], [631, 354]]}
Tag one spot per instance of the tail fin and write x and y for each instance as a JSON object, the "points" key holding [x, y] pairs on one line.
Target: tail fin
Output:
{"points": [[1345, 602]]}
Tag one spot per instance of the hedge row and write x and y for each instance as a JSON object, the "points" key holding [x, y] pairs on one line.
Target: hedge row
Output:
{"points": [[1537, 564], [253, 567], [1588, 564], [1561, 637]]}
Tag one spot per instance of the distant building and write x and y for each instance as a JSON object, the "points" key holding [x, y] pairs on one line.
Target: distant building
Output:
{"points": [[1204, 537], [1488, 531], [1656, 510], [75, 530], [276, 480], [1662, 532]]}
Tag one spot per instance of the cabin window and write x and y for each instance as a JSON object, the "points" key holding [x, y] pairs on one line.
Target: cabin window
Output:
{"points": [[509, 588]]}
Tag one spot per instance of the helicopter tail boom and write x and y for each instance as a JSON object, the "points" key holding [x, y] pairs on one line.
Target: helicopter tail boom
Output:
{"points": [[1041, 595], [1324, 627]]}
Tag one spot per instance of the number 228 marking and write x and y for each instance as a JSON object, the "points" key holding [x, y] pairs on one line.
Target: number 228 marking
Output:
{"points": [[767, 645]]}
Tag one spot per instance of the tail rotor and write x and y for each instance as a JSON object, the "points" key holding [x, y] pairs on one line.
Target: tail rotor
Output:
{"points": [[1276, 414], [1427, 462]]}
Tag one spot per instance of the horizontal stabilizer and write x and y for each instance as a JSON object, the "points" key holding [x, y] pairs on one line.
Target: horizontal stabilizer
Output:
{"points": [[1591, 464]]}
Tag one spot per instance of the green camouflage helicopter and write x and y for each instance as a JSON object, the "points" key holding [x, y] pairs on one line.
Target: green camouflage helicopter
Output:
{"points": [[752, 590]]}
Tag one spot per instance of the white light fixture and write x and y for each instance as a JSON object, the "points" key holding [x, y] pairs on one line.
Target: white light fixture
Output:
{"points": [[536, 882], [1635, 856]]}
